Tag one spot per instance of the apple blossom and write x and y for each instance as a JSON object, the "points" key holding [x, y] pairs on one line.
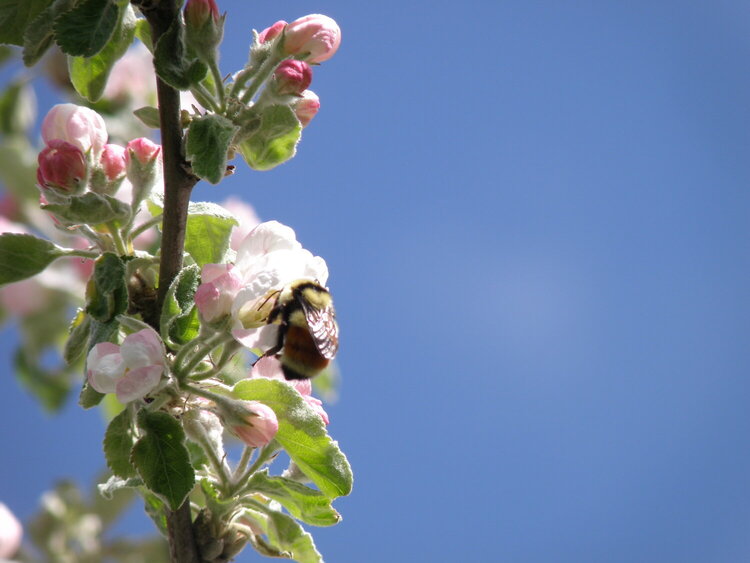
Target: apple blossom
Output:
{"points": [[292, 77], [77, 125], [214, 297], [62, 166], [268, 259], [131, 370], [246, 217], [10, 533], [132, 79], [271, 32], [306, 107], [315, 37], [143, 150]]}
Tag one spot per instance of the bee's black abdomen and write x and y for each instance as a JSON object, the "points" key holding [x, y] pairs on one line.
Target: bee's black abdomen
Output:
{"points": [[291, 374]]}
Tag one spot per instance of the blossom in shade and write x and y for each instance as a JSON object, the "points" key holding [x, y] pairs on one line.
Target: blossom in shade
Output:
{"points": [[271, 32], [62, 166], [132, 78], [11, 533], [268, 259], [306, 107], [112, 161], [260, 424], [131, 370], [77, 125], [315, 37], [292, 77], [270, 368], [219, 286]]}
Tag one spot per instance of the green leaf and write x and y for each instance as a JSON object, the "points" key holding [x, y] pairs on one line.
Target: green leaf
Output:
{"points": [[143, 32], [302, 502], [89, 397], [16, 116], [85, 30], [89, 74], [15, 17], [90, 209], [208, 141], [209, 229], [289, 537], [50, 387], [157, 511], [119, 440], [302, 434], [275, 141], [161, 458], [170, 60], [107, 293], [149, 116], [179, 321], [40, 34], [78, 338], [22, 256]]}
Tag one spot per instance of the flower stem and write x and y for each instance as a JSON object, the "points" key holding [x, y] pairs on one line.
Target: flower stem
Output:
{"points": [[263, 73], [114, 230], [146, 226], [219, 83]]}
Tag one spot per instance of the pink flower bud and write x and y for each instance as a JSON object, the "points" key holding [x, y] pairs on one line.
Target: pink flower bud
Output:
{"points": [[198, 12], [306, 107], [61, 166], [316, 37], [292, 77], [271, 32], [132, 370], [142, 149], [260, 425], [214, 297], [78, 125], [113, 162], [10, 533]]}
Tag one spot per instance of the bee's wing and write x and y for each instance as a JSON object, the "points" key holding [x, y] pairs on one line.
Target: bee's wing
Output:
{"points": [[323, 328]]}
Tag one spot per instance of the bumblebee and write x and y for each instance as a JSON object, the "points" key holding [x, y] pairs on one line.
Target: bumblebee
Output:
{"points": [[308, 334]]}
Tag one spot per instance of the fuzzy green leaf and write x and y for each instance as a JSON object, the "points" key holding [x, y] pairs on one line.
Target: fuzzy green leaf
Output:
{"points": [[22, 256], [302, 434], [171, 63], [78, 338], [85, 30], [107, 294], [90, 209], [40, 34], [89, 74], [179, 320], [304, 503], [209, 228], [161, 458], [285, 534], [118, 442], [275, 140], [16, 16], [208, 141]]}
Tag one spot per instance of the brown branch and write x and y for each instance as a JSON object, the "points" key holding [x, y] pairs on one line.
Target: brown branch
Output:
{"points": [[178, 183]]}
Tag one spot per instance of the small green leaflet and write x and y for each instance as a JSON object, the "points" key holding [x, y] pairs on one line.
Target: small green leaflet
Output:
{"points": [[208, 141], [179, 320], [22, 256], [275, 141], [118, 442]]}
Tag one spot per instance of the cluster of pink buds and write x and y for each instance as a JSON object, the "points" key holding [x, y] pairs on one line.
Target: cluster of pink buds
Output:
{"points": [[307, 41], [77, 156]]}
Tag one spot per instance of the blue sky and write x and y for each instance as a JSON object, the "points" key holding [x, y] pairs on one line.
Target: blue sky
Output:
{"points": [[535, 215]]}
